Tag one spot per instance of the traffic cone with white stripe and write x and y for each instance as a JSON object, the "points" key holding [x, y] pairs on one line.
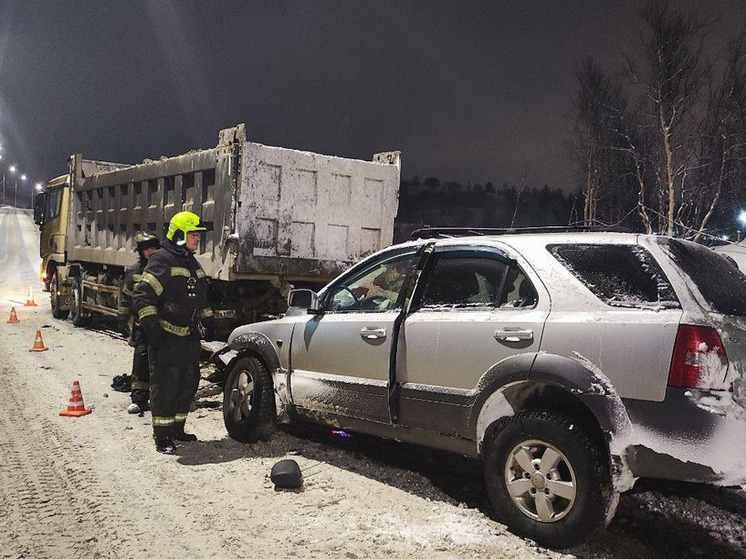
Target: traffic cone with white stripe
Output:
{"points": [[38, 343], [76, 407], [30, 298], [13, 316]]}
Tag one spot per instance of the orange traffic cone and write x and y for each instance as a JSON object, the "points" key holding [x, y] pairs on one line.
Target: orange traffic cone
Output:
{"points": [[30, 299], [76, 408], [13, 316], [38, 343]]}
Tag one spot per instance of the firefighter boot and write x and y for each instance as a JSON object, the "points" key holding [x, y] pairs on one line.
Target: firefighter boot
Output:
{"points": [[179, 434], [165, 445]]}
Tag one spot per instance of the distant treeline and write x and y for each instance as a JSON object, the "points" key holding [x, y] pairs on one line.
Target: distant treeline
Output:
{"points": [[451, 204]]}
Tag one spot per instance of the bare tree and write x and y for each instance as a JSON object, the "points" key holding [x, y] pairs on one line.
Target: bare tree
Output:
{"points": [[723, 149], [672, 82], [598, 111], [522, 186]]}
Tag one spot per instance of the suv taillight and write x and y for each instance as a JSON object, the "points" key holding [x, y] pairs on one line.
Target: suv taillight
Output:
{"points": [[699, 359]]}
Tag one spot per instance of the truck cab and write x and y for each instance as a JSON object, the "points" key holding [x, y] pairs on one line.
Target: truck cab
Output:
{"points": [[50, 213]]}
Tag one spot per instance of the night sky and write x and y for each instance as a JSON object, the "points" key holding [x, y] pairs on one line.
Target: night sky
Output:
{"points": [[468, 91]]}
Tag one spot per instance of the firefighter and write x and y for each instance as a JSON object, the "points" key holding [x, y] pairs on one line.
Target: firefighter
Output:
{"points": [[171, 300], [146, 245]]}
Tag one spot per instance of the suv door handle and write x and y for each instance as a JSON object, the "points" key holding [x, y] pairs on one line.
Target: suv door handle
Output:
{"points": [[373, 333], [513, 334]]}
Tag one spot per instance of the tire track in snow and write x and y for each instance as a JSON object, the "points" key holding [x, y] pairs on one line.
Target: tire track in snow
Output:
{"points": [[53, 505]]}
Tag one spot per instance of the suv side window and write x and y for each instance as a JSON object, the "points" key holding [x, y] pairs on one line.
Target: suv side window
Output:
{"points": [[619, 275], [375, 288], [476, 281]]}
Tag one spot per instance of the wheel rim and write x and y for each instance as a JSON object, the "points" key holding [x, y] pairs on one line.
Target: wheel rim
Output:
{"points": [[540, 481], [242, 395]]}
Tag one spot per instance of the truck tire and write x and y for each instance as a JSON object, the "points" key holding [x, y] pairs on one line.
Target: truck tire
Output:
{"points": [[54, 287], [546, 479], [76, 305], [248, 401]]}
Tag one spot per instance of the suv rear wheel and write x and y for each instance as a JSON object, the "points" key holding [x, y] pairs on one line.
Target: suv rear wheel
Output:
{"points": [[546, 479]]}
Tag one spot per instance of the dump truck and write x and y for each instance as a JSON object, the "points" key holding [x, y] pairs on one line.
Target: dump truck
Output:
{"points": [[277, 218]]}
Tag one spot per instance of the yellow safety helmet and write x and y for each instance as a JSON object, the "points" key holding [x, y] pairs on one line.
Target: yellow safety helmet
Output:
{"points": [[183, 223]]}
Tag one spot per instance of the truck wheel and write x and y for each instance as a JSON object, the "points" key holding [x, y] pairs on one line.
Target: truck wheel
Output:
{"points": [[248, 401], [76, 306], [546, 480], [54, 287]]}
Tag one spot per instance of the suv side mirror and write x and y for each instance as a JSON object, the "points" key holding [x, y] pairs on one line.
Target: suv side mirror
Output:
{"points": [[304, 299]]}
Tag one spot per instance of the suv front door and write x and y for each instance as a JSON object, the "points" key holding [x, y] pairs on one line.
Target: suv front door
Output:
{"points": [[340, 358]]}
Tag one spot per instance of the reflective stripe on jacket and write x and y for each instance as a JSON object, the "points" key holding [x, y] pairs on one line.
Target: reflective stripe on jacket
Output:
{"points": [[172, 291]]}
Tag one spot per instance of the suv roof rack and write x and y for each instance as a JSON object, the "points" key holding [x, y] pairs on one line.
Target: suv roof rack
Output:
{"points": [[446, 232]]}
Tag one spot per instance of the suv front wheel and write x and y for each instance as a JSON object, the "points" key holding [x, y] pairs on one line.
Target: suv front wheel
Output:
{"points": [[248, 401], [546, 479]]}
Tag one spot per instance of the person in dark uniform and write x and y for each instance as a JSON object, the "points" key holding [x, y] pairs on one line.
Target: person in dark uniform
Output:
{"points": [[146, 245], [170, 301]]}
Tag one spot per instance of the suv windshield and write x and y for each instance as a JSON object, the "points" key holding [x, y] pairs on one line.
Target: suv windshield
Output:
{"points": [[721, 283]]}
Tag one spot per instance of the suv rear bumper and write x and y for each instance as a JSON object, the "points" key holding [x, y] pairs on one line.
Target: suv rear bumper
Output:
{"points": [[693, 435]]}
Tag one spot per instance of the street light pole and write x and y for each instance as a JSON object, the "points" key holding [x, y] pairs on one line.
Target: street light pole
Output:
{"points": [[15, 194], [742, 219]]}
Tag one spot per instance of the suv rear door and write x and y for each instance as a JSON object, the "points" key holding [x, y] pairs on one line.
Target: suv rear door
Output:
{"points": [[474, 307]]}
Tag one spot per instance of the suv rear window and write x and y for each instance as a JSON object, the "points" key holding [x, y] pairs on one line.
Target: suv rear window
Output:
{"points": [[721, 283], [619, 275]]}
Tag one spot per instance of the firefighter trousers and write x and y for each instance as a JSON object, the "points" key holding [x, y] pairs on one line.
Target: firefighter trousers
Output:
{"points": [[174, 379], [140, 375]]}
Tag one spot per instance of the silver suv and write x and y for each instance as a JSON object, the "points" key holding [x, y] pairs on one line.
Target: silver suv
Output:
{"points": [[571, 363]]}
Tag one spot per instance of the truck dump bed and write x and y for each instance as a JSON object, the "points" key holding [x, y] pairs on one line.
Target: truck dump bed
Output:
{"points": [[273, 211]]}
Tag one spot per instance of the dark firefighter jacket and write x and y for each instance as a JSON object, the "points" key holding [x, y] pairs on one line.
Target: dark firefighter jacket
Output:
{"points": [[132, 276], [171, 296]]}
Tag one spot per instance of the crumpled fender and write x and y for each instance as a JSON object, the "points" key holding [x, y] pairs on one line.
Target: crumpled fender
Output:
{"points": [[579, 378]]}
